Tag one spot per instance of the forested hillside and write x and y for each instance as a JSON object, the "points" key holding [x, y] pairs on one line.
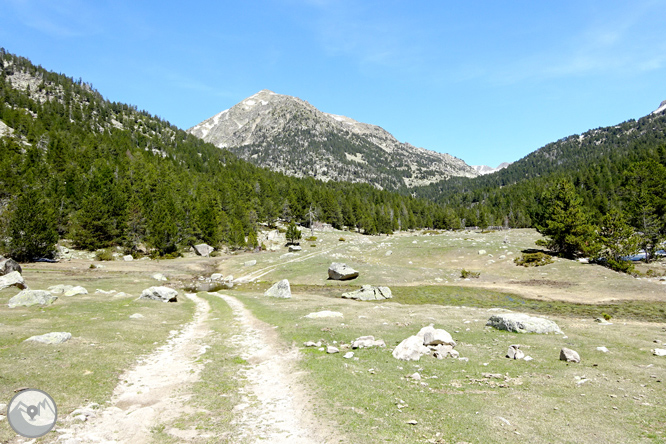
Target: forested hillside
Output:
{"points": [[74, 165], [597, 162]]}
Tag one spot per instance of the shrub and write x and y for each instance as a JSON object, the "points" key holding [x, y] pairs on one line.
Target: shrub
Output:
{"points": [[342, 239], [619, 266], [469, 274], [606, 316], [311, 238], [313, 245], [104, 255], [533, 259]]}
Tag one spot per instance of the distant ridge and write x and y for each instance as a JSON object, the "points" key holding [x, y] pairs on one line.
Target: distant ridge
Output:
{"points": [[485, 169], [289, 135]]}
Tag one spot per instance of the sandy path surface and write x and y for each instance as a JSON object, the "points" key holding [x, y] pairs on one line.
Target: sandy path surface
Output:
{"points": [[275, 408], [149, 393]]}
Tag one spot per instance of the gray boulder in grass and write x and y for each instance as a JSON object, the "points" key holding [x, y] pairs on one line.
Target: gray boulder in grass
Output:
{"points": [[341, 272], [12, 279], [280, 289], [164, 294], [566, 354], [28, 298], [56, 337], [369, 293], [522, 323], [7, 265]]}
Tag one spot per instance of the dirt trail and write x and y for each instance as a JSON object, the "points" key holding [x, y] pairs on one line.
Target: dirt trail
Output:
{"points": [[275, 408], [148, 394], [253, 276]]}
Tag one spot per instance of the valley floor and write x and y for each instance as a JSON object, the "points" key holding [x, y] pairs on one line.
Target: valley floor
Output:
{"points": [[231, 366]]}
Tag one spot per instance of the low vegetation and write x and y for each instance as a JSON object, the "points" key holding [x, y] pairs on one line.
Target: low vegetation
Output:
{"points": [[533, 259]]}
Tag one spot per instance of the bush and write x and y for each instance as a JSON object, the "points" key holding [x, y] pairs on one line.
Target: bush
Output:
{"points": [[104, 255], [533, 259], [313, 245], [606, 316], [469, 274], [342, 239], [619, 266], [311, 238]]}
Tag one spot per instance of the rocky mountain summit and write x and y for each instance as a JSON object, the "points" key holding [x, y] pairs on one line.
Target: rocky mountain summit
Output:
{"points": [[288, 134], [485, 169]]}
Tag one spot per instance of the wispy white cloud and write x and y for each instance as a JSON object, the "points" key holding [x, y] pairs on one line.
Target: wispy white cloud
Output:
{"points": [[60, 19]]}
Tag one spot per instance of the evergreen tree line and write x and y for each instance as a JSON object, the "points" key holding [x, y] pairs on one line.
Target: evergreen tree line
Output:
{"points": [[101, 174]]}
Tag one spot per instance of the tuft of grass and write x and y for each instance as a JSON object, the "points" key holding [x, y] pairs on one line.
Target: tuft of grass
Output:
{"points": [[469, 274]]}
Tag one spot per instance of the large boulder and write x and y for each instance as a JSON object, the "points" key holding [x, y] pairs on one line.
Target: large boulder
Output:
{"points": [[522, 323], [56, 337], [203, 249], [164, 294], [341, 272], [12, 279], [280, 289], [369, 293], [411, 349], [28, 298], [7, 265]]}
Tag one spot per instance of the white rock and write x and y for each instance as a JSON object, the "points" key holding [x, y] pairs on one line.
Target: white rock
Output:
{"points": [[566, 354], [348, 355], [324, 314], [12, 279], [522, 323], [659, 352], [602, 349], [164, 294], [51, 338], [411, 349], [128, 258], [250, 263], [280, 289], [136, 316], [330, 349], [341, 272], [159, 277], [367, 342]]}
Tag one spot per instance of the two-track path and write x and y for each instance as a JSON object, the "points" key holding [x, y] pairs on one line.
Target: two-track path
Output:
{"points": [[275, 407]]}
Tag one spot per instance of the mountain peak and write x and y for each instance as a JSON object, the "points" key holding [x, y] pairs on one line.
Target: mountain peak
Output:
{"points": [[662, 107], [290, 135]]}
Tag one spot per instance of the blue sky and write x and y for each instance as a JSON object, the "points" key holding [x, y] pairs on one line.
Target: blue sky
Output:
{"points": [[485, 81]]}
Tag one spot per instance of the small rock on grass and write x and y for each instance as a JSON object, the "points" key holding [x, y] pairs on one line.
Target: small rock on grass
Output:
{"points": [[330, 349], [348, 355], [51, 338], [566, 354], [659, 352], [136, 316]]}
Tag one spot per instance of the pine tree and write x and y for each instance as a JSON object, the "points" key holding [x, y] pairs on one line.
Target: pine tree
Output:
{"points": [[565, 222], [293, 233], [32, 231]]}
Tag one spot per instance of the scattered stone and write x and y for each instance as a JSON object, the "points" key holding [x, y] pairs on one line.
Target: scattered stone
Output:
{"points": [[388, 253], [659, 352], [217, 277], [515, 352], [341, 272], [369, 293], [412, 422], [51, 338], [415, 376], [583, 260], [566, 354], [367, 342], [348, 355], [203, 250], [12, 279], [330, 350], [602, 349], [159, 277], [482, 252], [522, 323], [324, 314], [312, 344], [602, 321], [28, 298], [164, 294], [294, 248], [128, 258], [528, 358], [250, 263], [280, 289], [136, 316], [8, 265]]}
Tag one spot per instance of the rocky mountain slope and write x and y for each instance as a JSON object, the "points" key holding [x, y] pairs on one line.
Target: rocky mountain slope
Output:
{"points": [[485, 169], [289, 135]]}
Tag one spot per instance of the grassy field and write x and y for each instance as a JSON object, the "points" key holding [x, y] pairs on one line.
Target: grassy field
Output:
{"points": [[617, 396]]}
